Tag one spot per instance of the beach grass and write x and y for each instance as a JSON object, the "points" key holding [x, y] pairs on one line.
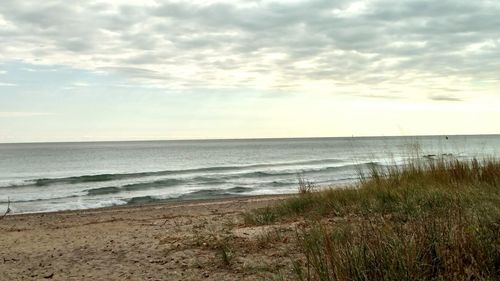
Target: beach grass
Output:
{"points": [[429, 219]]}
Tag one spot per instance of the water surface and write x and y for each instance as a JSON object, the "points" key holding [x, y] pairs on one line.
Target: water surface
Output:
{"points": [[43, 177]]}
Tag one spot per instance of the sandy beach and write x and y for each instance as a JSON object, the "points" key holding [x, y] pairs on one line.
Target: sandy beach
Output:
{"points": [[169, 241]]}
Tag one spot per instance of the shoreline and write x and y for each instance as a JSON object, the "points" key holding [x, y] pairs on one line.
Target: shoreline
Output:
{"points": [[170, 203]]}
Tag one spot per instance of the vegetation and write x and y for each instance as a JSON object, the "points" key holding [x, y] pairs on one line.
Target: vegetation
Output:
{"points": [[432, 219], [226, 253], [7, 211]]}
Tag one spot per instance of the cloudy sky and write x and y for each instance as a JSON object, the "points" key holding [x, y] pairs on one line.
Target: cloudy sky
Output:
{"points": [[125, 70]]}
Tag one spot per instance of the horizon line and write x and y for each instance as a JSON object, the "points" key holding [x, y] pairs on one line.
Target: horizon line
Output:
{"points": [[254, 138]]}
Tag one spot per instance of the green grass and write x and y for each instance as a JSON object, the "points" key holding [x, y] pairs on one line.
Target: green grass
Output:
{"points": [[427, 220]]}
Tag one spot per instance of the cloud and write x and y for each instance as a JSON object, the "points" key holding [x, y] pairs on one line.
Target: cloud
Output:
{"points": [[81, 84], [3, 84], [23, 114], [263, 44], [444, 98]]}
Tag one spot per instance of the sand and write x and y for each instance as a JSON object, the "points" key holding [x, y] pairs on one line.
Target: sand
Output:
{"points": [[169, 241]]}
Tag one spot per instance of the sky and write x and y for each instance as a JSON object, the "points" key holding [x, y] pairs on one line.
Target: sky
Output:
{"points": [[140, 70]]}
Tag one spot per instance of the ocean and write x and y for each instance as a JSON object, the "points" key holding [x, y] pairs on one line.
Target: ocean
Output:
{"points": [[43, 177]]}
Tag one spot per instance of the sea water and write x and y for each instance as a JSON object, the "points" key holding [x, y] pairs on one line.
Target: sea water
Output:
{"points": [[42, 177]]}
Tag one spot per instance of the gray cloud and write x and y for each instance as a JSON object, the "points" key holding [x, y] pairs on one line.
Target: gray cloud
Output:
{"points": [[445, 98], [242, 44]]}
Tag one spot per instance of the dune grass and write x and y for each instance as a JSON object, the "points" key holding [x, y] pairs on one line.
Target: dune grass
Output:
{"points": [[433, 219]]}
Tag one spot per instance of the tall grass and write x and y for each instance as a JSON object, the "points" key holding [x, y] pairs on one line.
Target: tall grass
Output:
{"points": [[433, 219], [452, 247]]}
